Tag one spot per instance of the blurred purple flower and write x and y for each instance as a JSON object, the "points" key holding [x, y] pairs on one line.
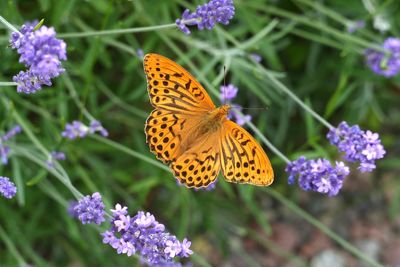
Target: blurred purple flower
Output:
{"points": [[358, 145], [210, 187], [55, 155], [256, 57], [5, 150], [317, 175], [139, 53], [7, 188], [90, 209], [144, 235], [355, 25], [387, 65], [71, 209], [227, 94], [207, 15], [41, 52], [78, 129]]}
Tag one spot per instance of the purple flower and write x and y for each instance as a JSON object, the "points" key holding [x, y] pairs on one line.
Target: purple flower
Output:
{"points": [[55, 155], [387, 65], [207, 15], [210, 187], [78, 129], [41, 52], [71, 208], [256, 57], [7, 188], [90, 209], [142, 234], [139, 53], [355, 25], [5, 150], [359, 146], [317, 175], [227, 94]]}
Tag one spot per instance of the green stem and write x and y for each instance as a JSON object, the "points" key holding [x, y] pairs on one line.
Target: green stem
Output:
{"points": [[302, 213], [9, 25], [116, 31], [129, 151], [286, 90], [11, 247], [8, 84]]}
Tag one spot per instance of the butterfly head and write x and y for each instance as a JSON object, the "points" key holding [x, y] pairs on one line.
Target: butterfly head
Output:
{"points": [[224, 109]]}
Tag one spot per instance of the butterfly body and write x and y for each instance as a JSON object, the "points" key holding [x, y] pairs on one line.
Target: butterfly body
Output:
{"points": [[195, 138]]}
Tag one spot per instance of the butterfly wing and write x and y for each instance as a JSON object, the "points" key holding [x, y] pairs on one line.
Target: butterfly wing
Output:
{"points": [[174, 89], [242, 159], [166, 130], [199, 166]]}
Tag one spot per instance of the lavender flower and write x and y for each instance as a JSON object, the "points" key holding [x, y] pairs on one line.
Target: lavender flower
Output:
{"points": [[71, 208], [90, 209], [78, 129], [355, 25], [142, 234], [387, 65], [358, 145], [207, 15], [317, 175], [5, 150], [55, 155], [7, 188], [256, 57], [210, 187], [41, 52], [227, 94]]}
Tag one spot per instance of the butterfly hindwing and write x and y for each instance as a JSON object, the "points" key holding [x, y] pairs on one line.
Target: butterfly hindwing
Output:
{"points": [[172, 88], [200, 165], [242, 159]]}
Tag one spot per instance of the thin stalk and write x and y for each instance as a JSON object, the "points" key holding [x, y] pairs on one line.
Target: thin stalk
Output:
{"points": [[9, 25], [8, 84], [11, 247], [116, 31]]}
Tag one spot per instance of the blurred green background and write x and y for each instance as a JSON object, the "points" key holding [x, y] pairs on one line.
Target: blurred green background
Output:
{"points": [[309, 49]]}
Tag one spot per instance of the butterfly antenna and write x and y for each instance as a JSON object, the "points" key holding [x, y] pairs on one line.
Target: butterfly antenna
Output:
{"points": [[263, 108], [224, 85]]}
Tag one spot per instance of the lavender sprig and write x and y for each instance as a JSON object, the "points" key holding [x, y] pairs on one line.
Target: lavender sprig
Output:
{"points": [[143, 235], [7, 188], [387, 65], [207, 15], [317, 175], [77, 129], [90, 209], [41, 52], [359, 146], [5, 150], [227, 94]]}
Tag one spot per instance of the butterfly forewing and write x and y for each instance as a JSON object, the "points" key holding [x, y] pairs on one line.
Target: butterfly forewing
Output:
{"points": [[242, 158], [172, 88]]}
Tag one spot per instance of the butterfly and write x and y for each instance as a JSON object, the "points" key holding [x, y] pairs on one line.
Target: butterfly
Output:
{"points": [[196, 139]]}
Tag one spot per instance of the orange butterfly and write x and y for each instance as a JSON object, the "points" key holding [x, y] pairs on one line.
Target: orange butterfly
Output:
{"points": [[196, 139]]}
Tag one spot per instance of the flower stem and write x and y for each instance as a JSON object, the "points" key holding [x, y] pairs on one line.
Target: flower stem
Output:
{"points": [[9, 25], [11, 247], [116, 31], [8, 84]]}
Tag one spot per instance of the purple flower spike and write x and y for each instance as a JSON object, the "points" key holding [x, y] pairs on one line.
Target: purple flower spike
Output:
{"points": [[41, 52], [5, 150], [317, 175], [385, 65], [228, 92], [7, 188], [90, 209], [142, 234], [78, 129], [207, 15], [359, 146], [55, 155]]}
